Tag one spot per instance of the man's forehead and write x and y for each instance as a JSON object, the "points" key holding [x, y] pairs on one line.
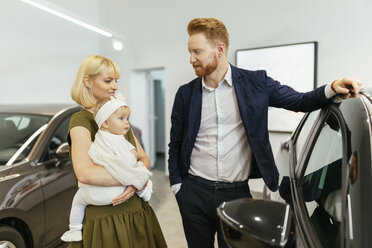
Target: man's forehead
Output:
{"points": [[198, 40]]}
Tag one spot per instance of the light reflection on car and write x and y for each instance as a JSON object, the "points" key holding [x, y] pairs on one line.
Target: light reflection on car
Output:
{"points": [[36, 177], [328, 189]]}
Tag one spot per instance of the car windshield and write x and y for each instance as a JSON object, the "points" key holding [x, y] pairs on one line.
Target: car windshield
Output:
{"points": [[15, 133]]}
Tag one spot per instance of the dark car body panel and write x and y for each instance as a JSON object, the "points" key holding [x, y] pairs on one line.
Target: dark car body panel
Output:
{"points": [[38, 190], [350, 121]]}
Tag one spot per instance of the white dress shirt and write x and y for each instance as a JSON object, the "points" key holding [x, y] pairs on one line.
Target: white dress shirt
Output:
{"points": [[221, 151]]}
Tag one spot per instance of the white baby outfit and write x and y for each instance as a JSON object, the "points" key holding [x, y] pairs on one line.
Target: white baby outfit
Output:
{"points": [[114, 153]]}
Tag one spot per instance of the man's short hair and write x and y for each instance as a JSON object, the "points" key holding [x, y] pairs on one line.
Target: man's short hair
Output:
{"points": [[213, 29]]}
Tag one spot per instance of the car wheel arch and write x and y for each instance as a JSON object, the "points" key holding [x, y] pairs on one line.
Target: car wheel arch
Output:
{"points": [[21, 227]]}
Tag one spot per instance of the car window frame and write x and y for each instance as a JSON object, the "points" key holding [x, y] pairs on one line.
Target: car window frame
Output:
{"points": [[39, 148], [298, 132], [308, 233], [46, 148]]}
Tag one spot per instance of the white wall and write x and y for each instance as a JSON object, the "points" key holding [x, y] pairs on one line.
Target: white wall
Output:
{"points": [[156, 35], [40, 53]]}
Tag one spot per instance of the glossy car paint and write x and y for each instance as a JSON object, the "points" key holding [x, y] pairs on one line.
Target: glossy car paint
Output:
{"points": [[354, 118], [36, 193], [259, 223]]}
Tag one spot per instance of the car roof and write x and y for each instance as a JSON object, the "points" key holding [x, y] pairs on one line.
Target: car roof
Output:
{"points": [[49, 109]]}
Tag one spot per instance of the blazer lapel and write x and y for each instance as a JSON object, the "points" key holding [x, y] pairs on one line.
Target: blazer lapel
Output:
{"points": [[240, 92], [195, 111], [245, 97]]}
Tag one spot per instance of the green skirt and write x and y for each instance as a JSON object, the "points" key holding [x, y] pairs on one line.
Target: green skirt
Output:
{"points": [[128, 225]]}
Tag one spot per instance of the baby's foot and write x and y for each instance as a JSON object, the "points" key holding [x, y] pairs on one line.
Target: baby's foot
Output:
{"points": [[74, 234]]}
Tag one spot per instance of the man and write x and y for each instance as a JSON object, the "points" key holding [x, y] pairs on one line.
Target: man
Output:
{"points": [[219, 133]]}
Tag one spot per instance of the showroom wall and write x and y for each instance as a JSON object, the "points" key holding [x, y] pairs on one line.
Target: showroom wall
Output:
{"points": [[40, 53], [156, 35]]}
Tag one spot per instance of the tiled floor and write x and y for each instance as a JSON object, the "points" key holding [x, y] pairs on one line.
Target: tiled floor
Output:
{"points": [[165, 206]]}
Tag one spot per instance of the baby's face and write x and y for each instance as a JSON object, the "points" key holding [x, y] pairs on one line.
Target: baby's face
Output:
{"points": [[118, 122]]}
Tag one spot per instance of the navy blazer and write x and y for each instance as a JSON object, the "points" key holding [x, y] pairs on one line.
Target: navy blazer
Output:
{"points": [[255, 92]]}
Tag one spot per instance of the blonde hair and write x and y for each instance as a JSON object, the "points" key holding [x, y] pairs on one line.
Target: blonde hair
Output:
{"points": [[213, 29], [91, 67]]}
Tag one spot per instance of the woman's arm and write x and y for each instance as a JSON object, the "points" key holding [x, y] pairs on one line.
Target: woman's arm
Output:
{"points": [[141, 155], [85, 170]]}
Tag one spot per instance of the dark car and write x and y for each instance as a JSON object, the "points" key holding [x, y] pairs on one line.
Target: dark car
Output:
{"points": [[37, 183], [328, 192]]}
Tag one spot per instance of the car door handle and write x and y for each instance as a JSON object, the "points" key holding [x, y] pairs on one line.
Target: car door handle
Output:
{"points": [[353, 167]]}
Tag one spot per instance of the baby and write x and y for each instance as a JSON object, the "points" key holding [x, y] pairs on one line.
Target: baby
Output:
{"points": [[119, 157]]}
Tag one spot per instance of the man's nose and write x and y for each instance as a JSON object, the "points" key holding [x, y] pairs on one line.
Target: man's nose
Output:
{"points": [[192, 59]]}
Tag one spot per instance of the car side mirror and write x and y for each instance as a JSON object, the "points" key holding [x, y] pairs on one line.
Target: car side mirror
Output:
{"points": [[257, 223], [63, 151]]}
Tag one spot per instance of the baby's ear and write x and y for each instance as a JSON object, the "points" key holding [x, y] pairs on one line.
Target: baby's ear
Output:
{"points": [[105, 124]]}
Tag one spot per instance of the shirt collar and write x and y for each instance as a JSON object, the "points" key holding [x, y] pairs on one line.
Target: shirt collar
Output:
{"points": [[227, 78]]}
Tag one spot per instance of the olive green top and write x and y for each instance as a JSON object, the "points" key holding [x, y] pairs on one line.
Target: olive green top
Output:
{"points": [[84, 118], [131, 224]]}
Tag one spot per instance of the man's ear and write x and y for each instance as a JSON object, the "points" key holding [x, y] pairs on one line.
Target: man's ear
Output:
{"points": [[221, 49], [105, 124], [86, 82]]}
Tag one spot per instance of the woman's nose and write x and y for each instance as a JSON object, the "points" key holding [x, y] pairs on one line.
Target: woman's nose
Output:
{"points": [[114, 85]]}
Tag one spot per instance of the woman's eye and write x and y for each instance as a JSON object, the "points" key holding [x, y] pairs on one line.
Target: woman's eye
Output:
{"points": [[121, 118]]}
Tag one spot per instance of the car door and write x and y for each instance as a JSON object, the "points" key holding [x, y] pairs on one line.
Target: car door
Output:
{"points": [[318, 157], [58, 182], [358, 172]]}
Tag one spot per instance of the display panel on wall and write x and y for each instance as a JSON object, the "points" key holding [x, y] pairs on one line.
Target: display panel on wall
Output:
{"points": [[293, 65]]}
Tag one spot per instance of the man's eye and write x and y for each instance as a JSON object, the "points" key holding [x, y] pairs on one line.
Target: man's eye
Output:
{"points": [[121, 118]]}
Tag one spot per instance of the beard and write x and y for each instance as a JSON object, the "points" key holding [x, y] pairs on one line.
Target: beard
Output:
{"points": [[202, 71]]}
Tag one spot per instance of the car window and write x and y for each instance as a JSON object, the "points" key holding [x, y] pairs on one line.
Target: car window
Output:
{"points": [[321, 183], [59, 137], [304, 133], [15, 131]]}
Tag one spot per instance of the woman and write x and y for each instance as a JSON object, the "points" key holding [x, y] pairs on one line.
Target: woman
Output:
{"points": [[129, 221]]}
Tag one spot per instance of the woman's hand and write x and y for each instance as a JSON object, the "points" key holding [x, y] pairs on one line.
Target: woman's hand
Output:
{"points": [[128, 193]]}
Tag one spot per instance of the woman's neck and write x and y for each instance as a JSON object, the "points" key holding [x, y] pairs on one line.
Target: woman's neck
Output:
{"points": [[89, 109]]}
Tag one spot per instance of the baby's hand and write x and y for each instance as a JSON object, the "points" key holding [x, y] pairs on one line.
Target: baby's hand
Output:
{"points": [[134, 151], [144, 187]]}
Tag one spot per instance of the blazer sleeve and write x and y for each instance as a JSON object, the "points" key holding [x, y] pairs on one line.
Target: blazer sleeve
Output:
{"points": [[283, 96], [178, 128]]}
